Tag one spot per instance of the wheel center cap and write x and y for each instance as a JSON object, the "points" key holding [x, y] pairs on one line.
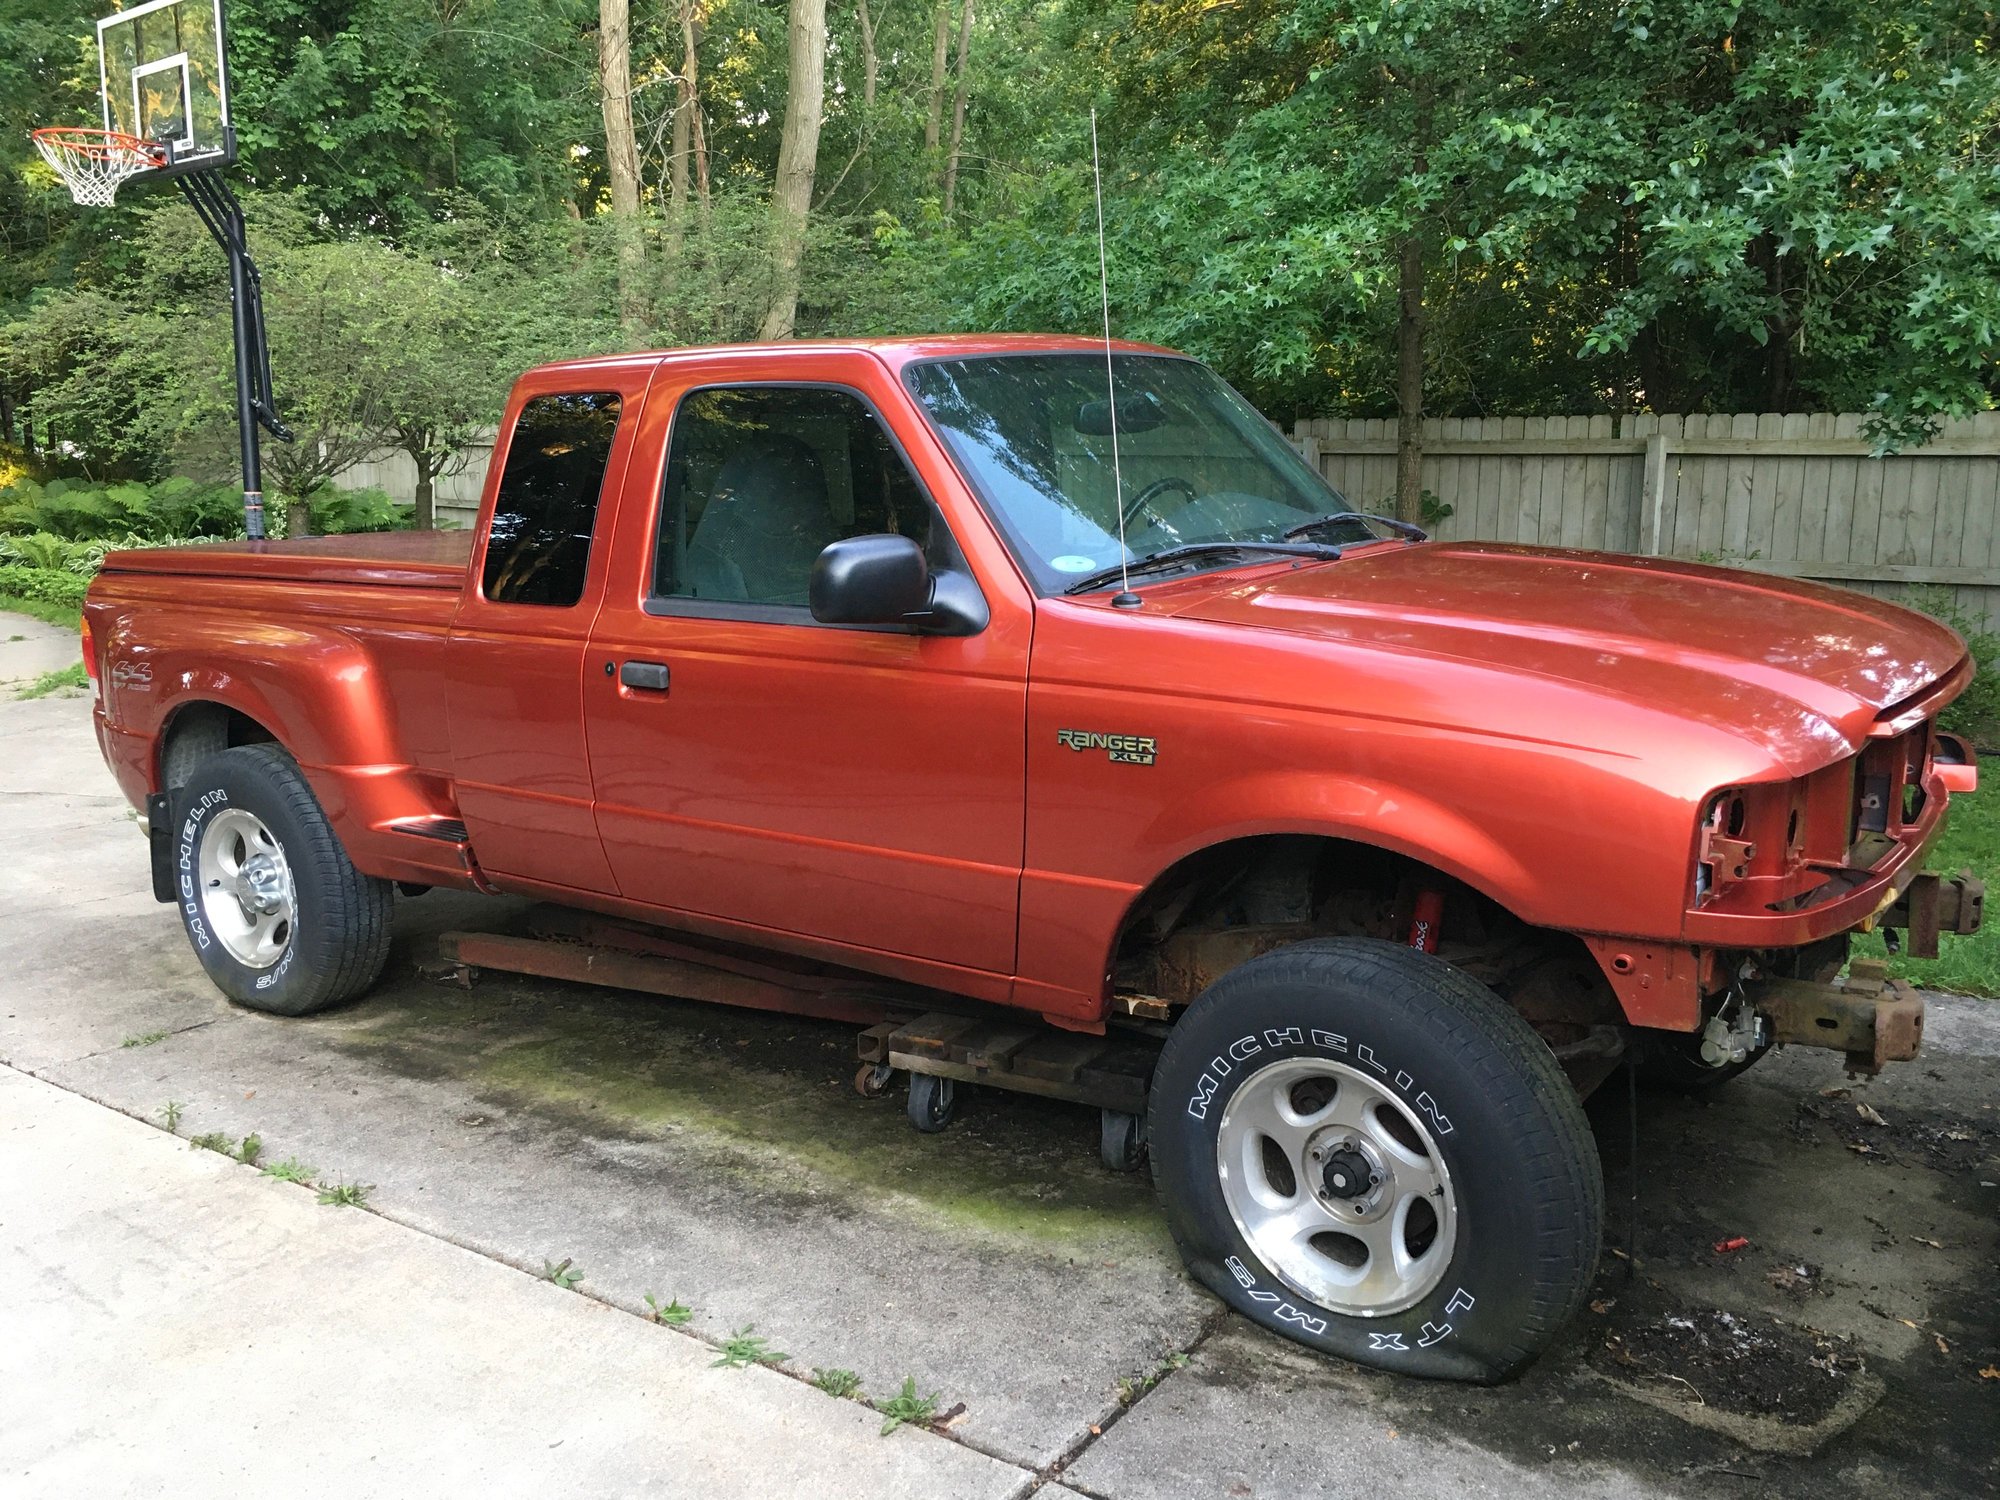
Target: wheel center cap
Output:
{"points": [[260, 887], [1346, 1174]]}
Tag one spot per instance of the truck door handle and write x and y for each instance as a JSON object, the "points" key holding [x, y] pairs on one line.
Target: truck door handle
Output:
{"points": [[646, 676]]}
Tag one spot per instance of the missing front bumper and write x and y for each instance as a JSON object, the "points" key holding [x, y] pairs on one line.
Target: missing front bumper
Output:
{"points": [[1872, 1018]]}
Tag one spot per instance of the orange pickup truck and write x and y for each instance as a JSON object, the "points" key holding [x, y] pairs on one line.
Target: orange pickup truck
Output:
{"points": [[951, 665]]}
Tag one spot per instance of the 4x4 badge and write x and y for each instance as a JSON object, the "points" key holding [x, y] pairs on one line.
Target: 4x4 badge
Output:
{"points": [[1124, 749]]}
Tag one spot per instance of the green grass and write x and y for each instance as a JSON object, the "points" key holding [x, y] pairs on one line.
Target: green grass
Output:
{"points": [[71, 676], [291, 1169], [211, 1140], [144, 1039], [1964, 965], [41, 609], [343, 1194]]}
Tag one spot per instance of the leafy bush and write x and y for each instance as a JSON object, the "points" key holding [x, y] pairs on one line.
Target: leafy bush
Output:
{"points": [[339, 512], [50, 585], [1976, 714], [73, 511]]}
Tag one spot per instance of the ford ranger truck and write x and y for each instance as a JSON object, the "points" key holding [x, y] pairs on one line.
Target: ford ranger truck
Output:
{"points": [[878, 654]]}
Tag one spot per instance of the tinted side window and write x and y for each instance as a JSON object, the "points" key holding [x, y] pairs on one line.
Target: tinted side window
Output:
{"points": [[760, 479], [539, 546]]}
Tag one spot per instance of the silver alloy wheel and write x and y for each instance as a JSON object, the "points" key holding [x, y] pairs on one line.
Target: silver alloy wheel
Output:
{"points": [[1337, 1187], [247, 893]]}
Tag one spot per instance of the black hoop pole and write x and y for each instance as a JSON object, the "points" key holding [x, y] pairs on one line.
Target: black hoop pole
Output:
{"points": [[223, 215]]}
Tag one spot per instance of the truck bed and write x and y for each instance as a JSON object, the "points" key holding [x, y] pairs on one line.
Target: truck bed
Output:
{"points": [[379, 559]]}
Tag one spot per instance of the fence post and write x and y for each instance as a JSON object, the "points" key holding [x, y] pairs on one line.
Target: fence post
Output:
{"points": [[1653, 494]]}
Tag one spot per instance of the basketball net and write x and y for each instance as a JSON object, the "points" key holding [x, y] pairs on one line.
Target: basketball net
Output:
{"points": [[94, 164]]}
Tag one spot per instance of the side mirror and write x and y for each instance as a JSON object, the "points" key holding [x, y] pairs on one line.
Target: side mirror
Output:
{"points": [[870, 580]]}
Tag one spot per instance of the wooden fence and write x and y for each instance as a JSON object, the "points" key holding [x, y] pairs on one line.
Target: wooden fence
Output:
{"points": [[1796, 495]]}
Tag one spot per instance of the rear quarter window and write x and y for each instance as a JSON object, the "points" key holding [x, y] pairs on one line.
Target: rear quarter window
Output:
{"points": [[545, 512]]}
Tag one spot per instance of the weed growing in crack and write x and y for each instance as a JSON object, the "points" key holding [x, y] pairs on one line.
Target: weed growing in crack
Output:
{"points": [[843, 1385], [291, 1169], [211, 1140], [744, 1348], [1132, 1387], [907, 1408], [563, 1274], [171, 1113], [343, 1194], [672, 1312], [144, 1039]]}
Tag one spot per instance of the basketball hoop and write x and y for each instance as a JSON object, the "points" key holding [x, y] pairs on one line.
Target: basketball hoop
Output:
{"points": [[94, 164]]}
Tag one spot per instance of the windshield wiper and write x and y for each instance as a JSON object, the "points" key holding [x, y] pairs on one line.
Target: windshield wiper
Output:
{"points": [[1408, 531], [1153, 562]]}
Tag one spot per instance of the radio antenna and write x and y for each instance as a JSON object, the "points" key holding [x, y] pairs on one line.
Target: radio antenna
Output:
{"points": [[1124, 598]]}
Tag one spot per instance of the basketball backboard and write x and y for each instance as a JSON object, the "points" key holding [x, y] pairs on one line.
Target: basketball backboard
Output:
{"points": [[165, 79]]}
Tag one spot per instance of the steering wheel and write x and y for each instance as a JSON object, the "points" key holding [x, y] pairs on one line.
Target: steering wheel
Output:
{"points": [[1143, 501]]}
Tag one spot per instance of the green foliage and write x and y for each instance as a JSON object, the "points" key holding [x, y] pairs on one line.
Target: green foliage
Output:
{"points": [[48, 586], [673, 1312], [210, 1140], [745, 1347], [907, 1408], [251, 1148], [842, 1385], [1975, 714], [171, 1113], [144, 1039], [291, 1169], [344, 1194], [562, 1273]]}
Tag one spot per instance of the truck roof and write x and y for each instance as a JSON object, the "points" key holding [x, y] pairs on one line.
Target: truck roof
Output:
{"points": [[895, 351]]}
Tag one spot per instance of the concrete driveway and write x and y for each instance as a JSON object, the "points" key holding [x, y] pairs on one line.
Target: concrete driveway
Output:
{"points": [[721, 1159]]}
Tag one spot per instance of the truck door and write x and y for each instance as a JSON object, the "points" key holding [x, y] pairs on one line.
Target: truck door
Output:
{"points": [[859, 785], [515, 661]]}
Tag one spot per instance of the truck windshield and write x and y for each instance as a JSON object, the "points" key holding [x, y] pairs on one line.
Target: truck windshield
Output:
{"points": [[1032, 432]]}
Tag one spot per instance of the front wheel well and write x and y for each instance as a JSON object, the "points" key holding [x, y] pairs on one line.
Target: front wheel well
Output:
{"points": [[201, 729], [1229, 903]]}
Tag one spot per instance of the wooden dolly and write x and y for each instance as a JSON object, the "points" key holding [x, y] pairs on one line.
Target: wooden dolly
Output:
{"points": [[941, 1050]]}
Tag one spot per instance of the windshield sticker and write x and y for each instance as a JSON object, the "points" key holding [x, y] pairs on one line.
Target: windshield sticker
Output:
{"points": [[1124, 749], [1069, 562]]}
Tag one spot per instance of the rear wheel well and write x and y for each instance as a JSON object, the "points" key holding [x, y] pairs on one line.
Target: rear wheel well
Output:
{"points": [[1226, 904], [199, 730]]}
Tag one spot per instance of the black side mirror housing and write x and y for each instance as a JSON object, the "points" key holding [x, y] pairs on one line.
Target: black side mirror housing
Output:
{"points": [[884, 579]]}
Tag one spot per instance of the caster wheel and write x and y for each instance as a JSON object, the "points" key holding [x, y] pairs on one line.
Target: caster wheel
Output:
{"points": [[1121, 1140], [933, 1102], [872, 1080]]}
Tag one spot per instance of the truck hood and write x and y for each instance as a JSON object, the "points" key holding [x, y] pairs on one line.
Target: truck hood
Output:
{"points": [[1802, 669]]}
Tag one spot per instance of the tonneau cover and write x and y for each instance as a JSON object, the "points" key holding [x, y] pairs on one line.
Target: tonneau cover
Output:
{"points": [[382, 559]]}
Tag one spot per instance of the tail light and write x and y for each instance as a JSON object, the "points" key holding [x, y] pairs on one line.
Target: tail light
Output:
{"points": [[89, 653]]}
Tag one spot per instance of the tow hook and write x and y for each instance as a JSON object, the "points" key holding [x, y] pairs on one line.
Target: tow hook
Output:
{"points": [[1872, 1018]]}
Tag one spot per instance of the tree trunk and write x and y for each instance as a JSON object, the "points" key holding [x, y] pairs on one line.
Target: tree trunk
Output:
{"points": [[683, 142], [958, 109], [424, 513], [1410, 379], [871, 63], [28, 433], [298, 518], [798, 158], [6, 419], [940, 51], [621, 153]]}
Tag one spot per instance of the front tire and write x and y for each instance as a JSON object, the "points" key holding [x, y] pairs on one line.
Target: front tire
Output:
{"points": [[1366, 1151], [276, 912]]}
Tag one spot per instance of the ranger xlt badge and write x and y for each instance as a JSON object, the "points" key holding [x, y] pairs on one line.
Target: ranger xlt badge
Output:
{"points": [[1125, 749]]}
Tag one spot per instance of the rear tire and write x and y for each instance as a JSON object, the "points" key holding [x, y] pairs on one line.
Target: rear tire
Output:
{"points": [[1368, 1152], [276, 912]]}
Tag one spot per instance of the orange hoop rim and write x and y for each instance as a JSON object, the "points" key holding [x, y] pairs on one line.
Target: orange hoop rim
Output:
{"points": [[101, 145]]}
